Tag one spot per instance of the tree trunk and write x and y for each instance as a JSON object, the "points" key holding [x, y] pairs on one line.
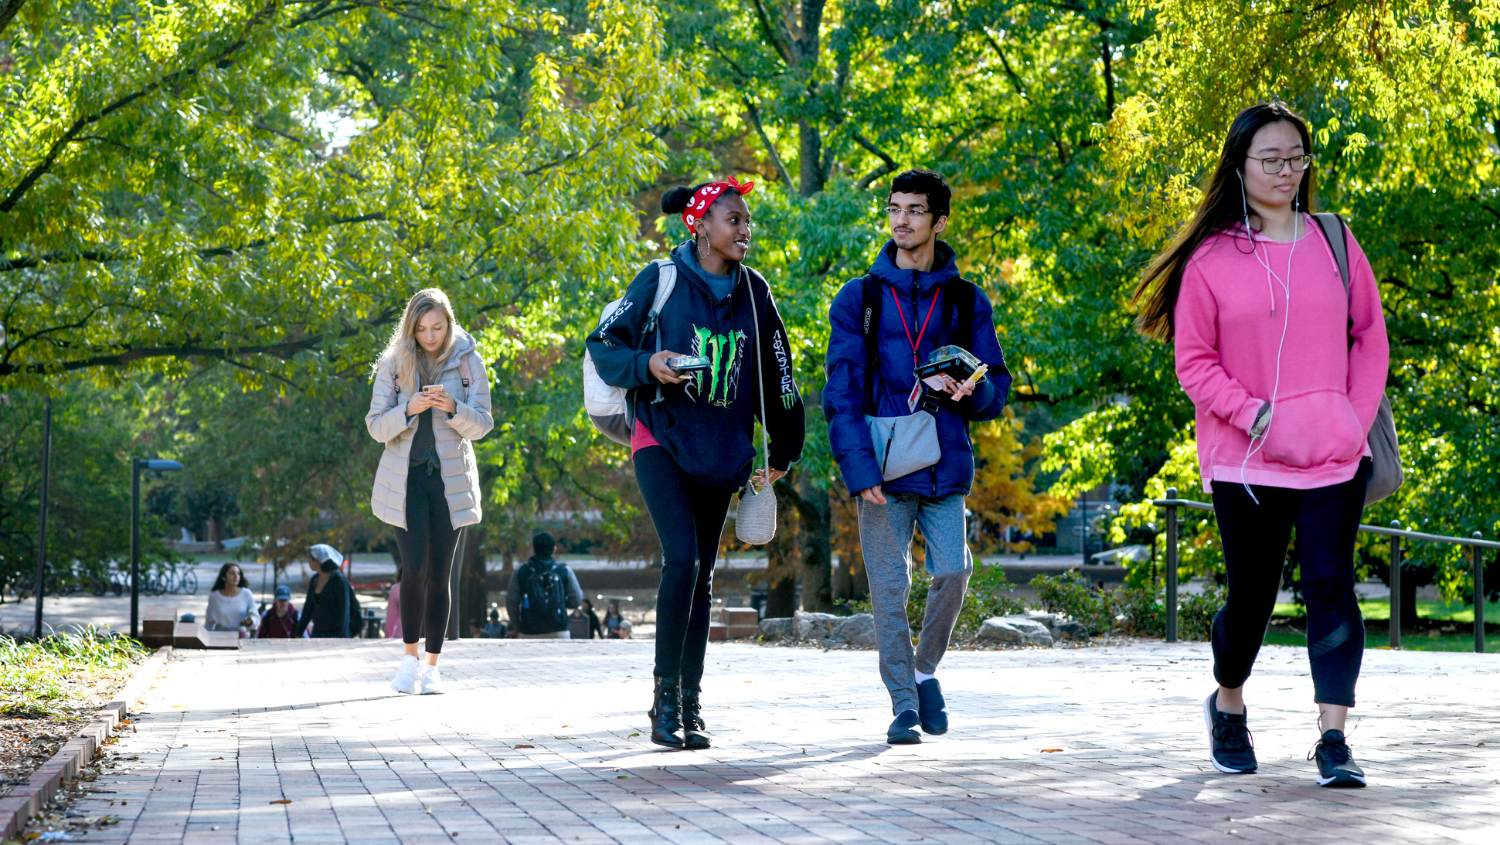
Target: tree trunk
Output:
{"points": [[810, 169], [816, 515], [781, 570], [473, 599]]}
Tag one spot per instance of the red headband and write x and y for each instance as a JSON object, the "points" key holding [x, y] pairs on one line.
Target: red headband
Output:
{"points": [[705, 197]]}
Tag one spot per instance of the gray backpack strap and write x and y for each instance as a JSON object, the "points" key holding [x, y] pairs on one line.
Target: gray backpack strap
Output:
{"points": [[1338, 240], [666, 282]]}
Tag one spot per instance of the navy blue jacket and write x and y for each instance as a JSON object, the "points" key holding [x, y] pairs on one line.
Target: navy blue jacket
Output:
{"points": [[706, 423], [843, 398]]}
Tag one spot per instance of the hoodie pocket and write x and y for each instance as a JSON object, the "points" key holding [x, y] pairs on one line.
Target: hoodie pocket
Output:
{"points": [[1312, 430], [713, 455]]}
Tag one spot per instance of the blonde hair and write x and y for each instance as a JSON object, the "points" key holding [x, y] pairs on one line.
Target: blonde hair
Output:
{"points": [[410, 364]]}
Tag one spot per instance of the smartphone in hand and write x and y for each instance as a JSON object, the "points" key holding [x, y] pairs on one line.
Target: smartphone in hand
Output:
{"points": [[434, 389], [688, 364]]}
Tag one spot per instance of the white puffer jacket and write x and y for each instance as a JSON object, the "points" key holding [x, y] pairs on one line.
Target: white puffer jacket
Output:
{"points": [[471, 420]]}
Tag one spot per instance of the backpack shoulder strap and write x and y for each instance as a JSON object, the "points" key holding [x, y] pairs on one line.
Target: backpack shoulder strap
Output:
{"points": [[960, 294], [871, 298], [1337, 235], [666, 282], [465, 374]]}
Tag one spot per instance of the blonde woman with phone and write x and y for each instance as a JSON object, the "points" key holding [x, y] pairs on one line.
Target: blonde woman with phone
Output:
{"points": [[431, 399]]}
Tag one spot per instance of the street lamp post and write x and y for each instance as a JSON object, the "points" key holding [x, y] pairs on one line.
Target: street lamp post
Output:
{"points": [[136, 465], [41, 522]]}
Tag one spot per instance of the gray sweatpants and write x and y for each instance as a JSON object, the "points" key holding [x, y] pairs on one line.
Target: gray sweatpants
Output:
{"points": [[885, 536]]}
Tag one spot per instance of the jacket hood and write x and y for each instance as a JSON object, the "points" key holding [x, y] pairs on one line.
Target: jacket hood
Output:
{"points": [[944, 269], [463, 344]]}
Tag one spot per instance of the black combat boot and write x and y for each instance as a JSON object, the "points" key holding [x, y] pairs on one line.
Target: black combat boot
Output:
{"points": [[692, 721], [666, 713]]}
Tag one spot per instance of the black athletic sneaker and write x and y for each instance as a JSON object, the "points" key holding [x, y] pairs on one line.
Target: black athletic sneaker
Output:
{"points": [[1336, 766], [1230, 746]]}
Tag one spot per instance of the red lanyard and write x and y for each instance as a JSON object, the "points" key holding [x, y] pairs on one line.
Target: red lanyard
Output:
{"points": [[915, 344]]}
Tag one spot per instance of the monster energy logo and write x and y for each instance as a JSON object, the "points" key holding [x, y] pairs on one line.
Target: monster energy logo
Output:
{"points": [[724, 353]]}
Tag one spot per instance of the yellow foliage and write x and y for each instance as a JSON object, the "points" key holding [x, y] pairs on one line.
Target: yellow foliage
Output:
{"points": [[1005, 492]]}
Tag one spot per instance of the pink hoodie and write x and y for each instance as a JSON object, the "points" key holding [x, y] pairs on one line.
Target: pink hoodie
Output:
{"points": [[1226, 342]]}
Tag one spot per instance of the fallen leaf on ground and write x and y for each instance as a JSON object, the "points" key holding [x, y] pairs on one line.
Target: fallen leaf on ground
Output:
{"points": [[1050, 750], [282, 801], [525, 746]]}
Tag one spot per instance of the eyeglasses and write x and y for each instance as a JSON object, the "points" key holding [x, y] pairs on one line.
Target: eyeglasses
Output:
{"points": [[1274, 166], [895, 211]]}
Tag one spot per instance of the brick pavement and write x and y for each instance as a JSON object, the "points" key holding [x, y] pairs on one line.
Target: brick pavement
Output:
{"points": [[537, 743]]}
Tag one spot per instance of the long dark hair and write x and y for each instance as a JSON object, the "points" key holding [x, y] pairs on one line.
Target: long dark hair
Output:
{"points": [[223, 573], [1155, 296]]}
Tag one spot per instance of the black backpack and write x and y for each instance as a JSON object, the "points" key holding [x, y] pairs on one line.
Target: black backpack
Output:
{"points": [[544, 597]]}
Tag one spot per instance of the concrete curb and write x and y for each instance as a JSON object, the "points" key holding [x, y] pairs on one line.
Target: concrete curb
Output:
{"points": [[24, 802]]}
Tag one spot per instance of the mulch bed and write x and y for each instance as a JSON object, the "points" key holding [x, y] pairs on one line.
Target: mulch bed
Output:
{"points": [[25, 744]]}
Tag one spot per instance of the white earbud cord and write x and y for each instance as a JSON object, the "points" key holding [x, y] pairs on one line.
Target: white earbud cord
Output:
{"points": [[1259, 442]]}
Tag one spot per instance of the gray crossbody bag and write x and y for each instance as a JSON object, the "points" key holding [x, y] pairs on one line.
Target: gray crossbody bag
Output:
{"points": [[1386, 475]]}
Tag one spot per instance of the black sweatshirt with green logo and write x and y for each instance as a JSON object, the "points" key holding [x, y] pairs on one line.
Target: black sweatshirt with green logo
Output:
{"points": [[707, 422]]}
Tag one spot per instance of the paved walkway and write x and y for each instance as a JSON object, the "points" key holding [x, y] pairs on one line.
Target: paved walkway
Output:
{"points": [[538, 743]]}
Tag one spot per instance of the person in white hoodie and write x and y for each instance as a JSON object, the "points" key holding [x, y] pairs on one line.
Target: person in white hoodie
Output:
{"points": [[431, 399]]}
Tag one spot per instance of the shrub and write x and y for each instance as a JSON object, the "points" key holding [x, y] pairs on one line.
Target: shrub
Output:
{"points": [[990, 594], [1072, 594]]}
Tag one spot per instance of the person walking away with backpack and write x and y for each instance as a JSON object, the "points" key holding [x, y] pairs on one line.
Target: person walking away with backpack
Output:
{"points": [[1284, 356], [693, 436], [326, 608], [431, 400], [541, 593], [911, 303]]}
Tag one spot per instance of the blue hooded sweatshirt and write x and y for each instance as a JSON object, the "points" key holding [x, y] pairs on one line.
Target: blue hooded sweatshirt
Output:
{"points": [[843, 398]]}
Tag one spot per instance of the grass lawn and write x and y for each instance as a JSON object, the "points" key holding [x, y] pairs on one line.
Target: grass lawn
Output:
{"points": [[1426, 609], [1444, 626]]}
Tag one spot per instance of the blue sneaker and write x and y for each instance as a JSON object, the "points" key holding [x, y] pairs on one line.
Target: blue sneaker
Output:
{"points": [[931, 707], [903, 731]]}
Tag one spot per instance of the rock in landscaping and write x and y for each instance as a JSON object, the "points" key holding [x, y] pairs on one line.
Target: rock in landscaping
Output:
{"points": [[1071, 631], [814, 626], [776, 628], [856, 630], [1015, 630]]}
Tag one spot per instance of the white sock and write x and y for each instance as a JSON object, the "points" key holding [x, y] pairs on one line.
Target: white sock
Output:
{"points": [[922, 678]]}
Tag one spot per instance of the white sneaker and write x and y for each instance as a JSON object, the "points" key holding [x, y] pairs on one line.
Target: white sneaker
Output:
{"points": [[406, 675], [431, 683]]}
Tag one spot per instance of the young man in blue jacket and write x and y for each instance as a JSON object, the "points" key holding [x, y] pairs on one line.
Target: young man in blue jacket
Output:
{"points": [[884, 325]]}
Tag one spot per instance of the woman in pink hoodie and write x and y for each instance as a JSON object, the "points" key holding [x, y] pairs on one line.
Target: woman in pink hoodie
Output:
{"points": [[1286, 367]]}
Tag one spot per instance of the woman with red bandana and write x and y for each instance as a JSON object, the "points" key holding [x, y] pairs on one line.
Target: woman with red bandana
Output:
{"points": [[693, 440]]}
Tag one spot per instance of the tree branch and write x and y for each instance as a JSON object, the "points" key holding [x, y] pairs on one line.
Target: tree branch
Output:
{"points": [[770, 147], [84, 121], [8, 10], [192, 349], [889, 165]]}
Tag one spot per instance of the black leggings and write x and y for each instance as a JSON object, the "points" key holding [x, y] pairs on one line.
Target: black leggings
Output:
{"points": [[689, 518], [426, 545], [1255, 541]]}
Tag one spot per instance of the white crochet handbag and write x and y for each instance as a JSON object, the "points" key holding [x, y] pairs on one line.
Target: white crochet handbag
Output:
{"points": [[755, 519]]}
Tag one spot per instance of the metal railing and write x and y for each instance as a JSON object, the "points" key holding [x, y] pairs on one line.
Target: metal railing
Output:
{"points": [[1476, 542]]}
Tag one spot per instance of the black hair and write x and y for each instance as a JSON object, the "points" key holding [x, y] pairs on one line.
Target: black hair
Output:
{"points": [[495, 614], [676, 200], [542, 543], [1222, 206], [223, 572], [929, 183], [327, 565]]}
